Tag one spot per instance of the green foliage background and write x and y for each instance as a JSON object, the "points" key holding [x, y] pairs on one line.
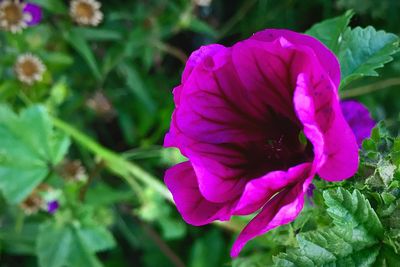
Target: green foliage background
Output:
{"points": [[106, 101]]}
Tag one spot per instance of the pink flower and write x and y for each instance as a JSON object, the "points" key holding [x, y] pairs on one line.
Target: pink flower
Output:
{"points": [[257, 121]]}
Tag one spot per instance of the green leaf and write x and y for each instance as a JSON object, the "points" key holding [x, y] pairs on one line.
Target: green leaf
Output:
{"points": [[70, 245], [94, 34], [96, 238], [254, 260], [103, 195], [28, 148], [82, 47], [19, 241], [365, 257], [363, 50], [352, 210], [199, 26], [207, 250], [353, 241], [55, 6], [53, 245], [330, 31], [387, 258], [136, 85], [386, 171]]}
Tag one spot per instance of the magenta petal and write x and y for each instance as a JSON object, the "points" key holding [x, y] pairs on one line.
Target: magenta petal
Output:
{"points": [[358, 118], [35, 12], [258, 191], [213, 100], [281, 209], [214, 165], [199, 56], [194, 208], [320, 111], [266, 70], [325, 57]]}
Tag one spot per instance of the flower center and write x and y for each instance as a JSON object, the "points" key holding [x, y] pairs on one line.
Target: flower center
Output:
{"points": [[12, 13], [84, 10], [283, 147], [28, 68]]}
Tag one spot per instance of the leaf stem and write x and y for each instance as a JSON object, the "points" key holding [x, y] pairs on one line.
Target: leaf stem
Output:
{"points": [[115, 163], [125, 169], [366, 89]]}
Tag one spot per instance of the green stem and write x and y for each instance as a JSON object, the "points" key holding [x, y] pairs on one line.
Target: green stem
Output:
{"points": [[124, 168], [115, 163], [370, 88]]}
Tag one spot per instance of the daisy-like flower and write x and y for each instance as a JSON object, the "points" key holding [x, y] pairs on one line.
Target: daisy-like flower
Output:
{"points": [[29, 68], [16, 16], [86, 12]]}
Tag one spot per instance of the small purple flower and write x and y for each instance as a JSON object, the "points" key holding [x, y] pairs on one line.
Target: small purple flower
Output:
{"points": [[52, 206], [240, 113], [35, 13], [310, 190], [310, 193], [358, 118]]}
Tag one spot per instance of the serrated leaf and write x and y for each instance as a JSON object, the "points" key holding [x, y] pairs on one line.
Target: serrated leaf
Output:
{"points": [[327, 248], [386, 171], [28, 149], [352, 210], [363, 50], [330, 31], [353, 241], [69, 245]]}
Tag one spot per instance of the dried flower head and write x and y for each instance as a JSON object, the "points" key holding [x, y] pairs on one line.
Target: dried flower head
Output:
{"points": [[34, 202], [86, 12], [101, 105], [29, 68], [72, 170], [12, 16]]}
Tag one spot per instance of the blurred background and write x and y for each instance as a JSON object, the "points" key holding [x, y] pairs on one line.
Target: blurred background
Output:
{"points": [[113, 82]]}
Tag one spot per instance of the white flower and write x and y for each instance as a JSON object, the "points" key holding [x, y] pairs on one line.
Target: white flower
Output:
{"points": [[86, 12], [203, 3], [29, 68], [12, 16]]}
